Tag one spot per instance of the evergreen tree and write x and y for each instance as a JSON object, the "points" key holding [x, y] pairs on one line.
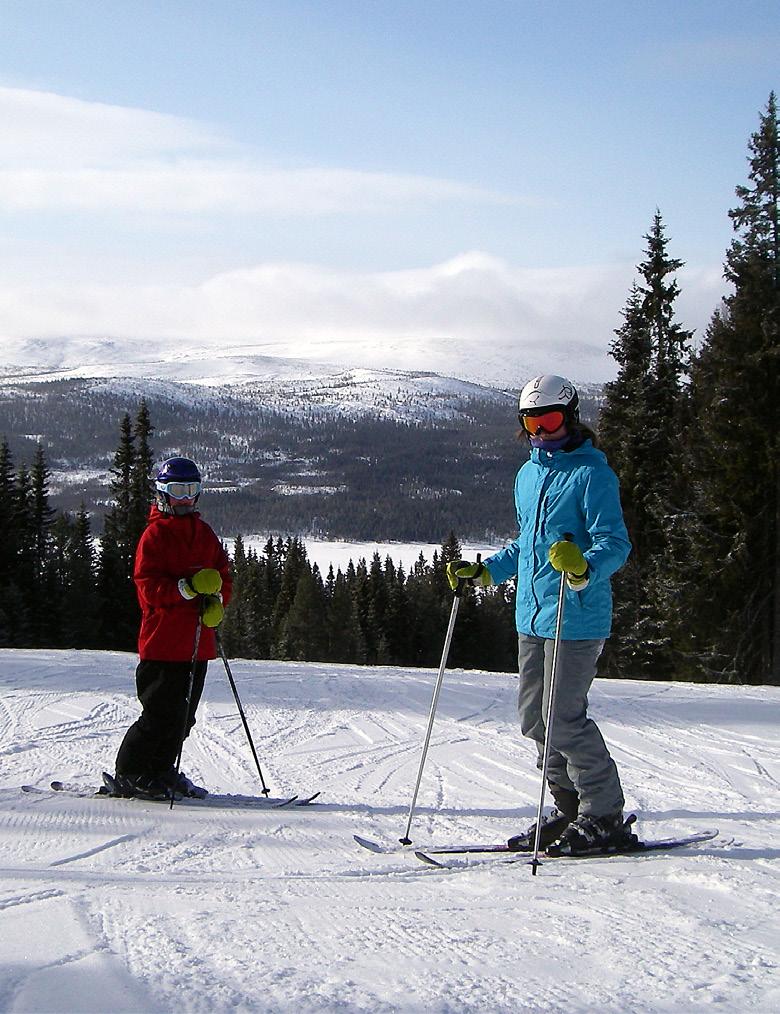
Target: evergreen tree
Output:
{"points": [[41, 514], [10, 547], [295, 562], [81, 561], [24, 610], [235, 624], [141, 481], [119, 611], [639, 427], [733, 529], [344, 637], [303, 636]]}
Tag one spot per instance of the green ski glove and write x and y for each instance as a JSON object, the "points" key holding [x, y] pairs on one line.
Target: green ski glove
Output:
{"points": [[207, 581], [567, 556], [213, 611], [475, 574]]}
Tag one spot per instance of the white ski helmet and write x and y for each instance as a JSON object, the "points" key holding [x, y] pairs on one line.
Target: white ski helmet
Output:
{"points": [[549, 392]]}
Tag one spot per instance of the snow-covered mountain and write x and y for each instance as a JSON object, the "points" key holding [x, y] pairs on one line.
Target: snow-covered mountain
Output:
{"points": [[123, 905], [499, 366]]}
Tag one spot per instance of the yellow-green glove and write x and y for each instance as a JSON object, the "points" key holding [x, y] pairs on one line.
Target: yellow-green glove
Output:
{"points": [[472, 573], [206, 582], [567, 556], [213, 611]]}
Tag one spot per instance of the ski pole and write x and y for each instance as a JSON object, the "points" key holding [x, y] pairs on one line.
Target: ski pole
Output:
{"points": [[191, 683], [233, 687], [550, 714], [406, 840]]}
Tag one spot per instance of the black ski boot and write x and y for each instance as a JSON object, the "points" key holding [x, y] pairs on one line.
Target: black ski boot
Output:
{"points": [[553, 825], [589, 835], [186, 787], [122, 786], [136, 786]]}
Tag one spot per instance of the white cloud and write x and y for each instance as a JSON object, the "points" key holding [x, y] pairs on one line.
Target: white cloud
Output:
{"points": [[195, 188], [42, 129], [64, 154]]}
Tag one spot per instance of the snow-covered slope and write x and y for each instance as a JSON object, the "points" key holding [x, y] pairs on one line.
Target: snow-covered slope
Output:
{"points": [[125, 905]]}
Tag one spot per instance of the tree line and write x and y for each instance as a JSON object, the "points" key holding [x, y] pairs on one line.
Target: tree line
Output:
{"points": [[374, 613], [691, 431]]}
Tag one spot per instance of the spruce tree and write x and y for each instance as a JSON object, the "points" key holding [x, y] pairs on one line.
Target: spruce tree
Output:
{"points": [[119, 611], [141, 481], [734, 528], [24, 633], [639, 428], [304, 637], [10, 547], [81, 559]]}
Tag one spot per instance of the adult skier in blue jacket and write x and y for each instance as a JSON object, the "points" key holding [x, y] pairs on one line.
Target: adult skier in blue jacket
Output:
{"points": [[570, 521]]}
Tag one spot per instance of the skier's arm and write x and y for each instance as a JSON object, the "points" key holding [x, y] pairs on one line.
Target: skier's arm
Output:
{"points": [[604, 520], [503, 565], [155, 584]]}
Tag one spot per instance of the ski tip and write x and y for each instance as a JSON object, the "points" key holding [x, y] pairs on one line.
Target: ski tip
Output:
{"points": [[307, 800], [429, 860], [372, 846]]}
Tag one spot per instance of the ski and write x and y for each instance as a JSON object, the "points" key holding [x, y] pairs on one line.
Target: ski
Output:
{"points": [[219, 801], [502, 849], [506, 855]]}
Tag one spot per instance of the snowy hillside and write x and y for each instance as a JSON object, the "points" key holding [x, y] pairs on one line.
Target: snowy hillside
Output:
{"points": [[493, 364], [127, 906]]}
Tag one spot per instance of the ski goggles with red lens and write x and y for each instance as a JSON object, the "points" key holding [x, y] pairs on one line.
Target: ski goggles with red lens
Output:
{"points": [[549, 422], [180, 490]]}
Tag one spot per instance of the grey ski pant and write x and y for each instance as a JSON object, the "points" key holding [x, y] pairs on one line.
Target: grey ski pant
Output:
{"points": [[579, 758]]}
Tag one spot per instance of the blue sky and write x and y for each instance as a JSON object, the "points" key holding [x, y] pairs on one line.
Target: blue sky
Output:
{"points": [[160, 155]]}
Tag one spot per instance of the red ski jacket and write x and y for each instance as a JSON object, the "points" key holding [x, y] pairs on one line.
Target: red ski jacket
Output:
{"points": [[173, 547]]}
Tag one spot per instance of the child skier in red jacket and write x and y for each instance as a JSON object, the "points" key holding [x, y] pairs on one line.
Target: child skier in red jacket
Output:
{"points": [[182, 574]]}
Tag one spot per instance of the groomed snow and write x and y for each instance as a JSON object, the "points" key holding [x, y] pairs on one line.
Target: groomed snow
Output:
{"points": [[112, 905]]}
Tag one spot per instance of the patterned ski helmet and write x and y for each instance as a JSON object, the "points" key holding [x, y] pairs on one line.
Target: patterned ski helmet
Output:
{"points": [[548, 392]]}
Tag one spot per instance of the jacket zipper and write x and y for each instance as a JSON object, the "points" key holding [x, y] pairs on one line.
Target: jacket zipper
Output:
{"points": [[545, 483]]}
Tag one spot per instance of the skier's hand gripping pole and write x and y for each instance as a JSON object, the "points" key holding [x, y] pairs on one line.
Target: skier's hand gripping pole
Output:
{"points": [[457, 593]]}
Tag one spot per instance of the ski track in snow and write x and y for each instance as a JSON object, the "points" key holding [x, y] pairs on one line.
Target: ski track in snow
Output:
{"points": [[129, 906]]}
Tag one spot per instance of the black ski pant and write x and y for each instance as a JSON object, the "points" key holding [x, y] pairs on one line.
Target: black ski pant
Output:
{"points": [[151, 744]]}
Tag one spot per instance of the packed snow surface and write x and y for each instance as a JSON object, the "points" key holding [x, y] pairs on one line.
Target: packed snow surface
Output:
{"points": [[129, 906]]}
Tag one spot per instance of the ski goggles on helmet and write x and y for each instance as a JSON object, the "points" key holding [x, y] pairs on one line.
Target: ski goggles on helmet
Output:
{"points": [[180, 490], [549, 422]]}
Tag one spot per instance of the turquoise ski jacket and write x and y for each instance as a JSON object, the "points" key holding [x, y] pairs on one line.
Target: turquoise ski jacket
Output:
{"points": [[560, 492]]}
